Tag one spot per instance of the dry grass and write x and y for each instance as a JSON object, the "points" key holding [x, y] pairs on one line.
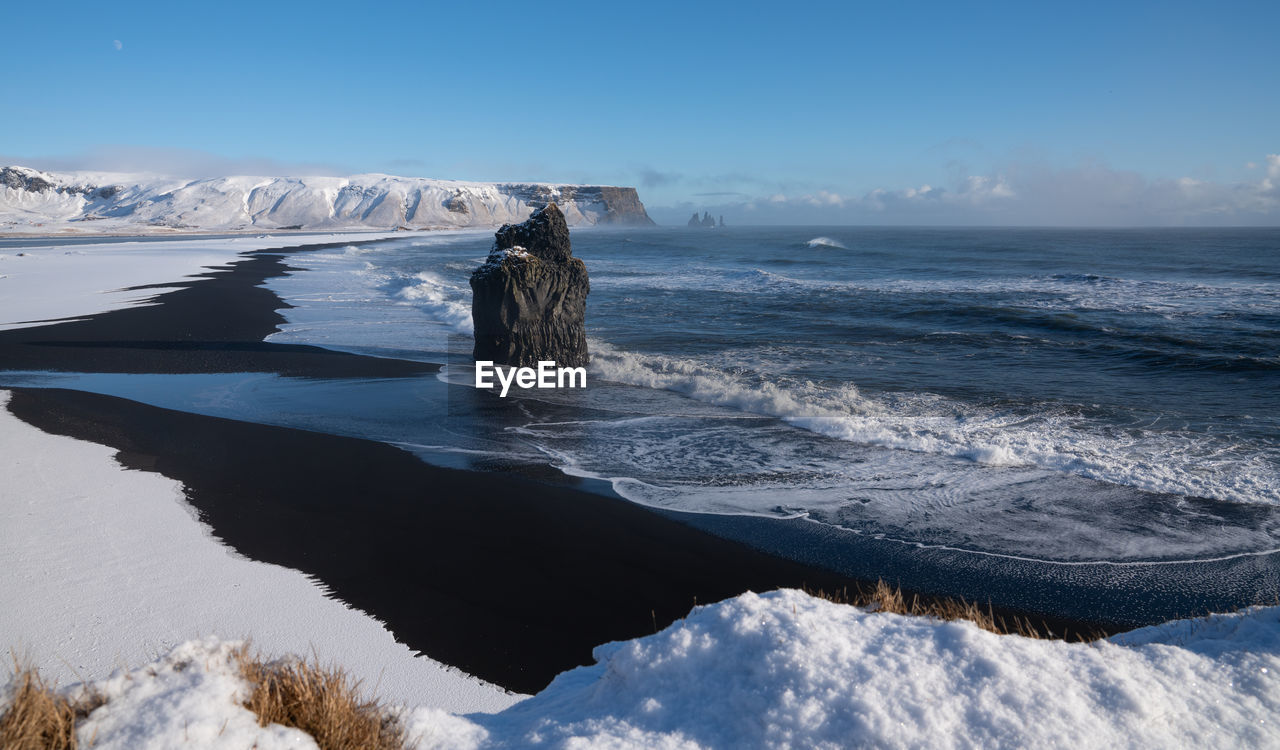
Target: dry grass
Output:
{"points": [[886, 598], [323, 702], [38, 717]]}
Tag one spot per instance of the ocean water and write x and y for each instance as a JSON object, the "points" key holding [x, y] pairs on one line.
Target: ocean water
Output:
{"points": [[1073, 397]]}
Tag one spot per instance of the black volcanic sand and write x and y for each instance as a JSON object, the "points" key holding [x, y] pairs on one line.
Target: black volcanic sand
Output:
{"points": [[214, 322], [508, 579]]}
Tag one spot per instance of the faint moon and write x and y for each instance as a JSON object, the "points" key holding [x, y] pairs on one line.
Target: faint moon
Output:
{"points": [[117, 45]]}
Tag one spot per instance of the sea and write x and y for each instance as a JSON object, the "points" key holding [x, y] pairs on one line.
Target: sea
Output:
{"points": [[1047, 408]]}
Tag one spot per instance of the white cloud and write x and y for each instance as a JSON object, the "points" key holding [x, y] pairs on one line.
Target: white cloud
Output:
{"points": [[117, 44], [1035, 193]]}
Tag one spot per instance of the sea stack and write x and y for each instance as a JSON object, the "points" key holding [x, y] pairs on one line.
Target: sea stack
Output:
{"points": [[529, 299]]}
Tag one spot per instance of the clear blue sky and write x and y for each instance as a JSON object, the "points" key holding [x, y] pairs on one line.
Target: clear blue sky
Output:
{"points": [[766, 111]]}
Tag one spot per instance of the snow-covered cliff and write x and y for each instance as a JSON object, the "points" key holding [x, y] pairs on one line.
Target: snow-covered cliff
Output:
{"points": [[95, 202]]}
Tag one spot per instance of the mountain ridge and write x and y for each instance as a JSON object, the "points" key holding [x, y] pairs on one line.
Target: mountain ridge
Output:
{"points": [[115, 202]]}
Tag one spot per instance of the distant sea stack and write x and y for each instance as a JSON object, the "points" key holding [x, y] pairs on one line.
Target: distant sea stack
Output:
{"points": [[705, 221], [529, 299]]}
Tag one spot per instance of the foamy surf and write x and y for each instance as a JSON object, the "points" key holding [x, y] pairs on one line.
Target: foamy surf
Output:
{"points": [[1040, 436], [438, 299], [826, 242]]}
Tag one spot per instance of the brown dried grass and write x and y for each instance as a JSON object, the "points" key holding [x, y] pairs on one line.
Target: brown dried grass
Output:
{"points": [[324, 702], [885, 598], [40, 718]]}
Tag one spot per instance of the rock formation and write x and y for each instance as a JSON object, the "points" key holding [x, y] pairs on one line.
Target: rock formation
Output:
{"points": [[529, 299], [456, 203], [705, 221], [21, 178]]}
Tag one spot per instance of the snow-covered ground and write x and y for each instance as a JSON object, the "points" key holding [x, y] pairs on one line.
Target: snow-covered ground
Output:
{"points": [[98, 202], [102, 567], [786, 670], [54, 281]]}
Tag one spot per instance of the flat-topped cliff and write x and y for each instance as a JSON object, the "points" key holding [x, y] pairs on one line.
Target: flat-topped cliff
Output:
{"points": [[95, 202]]}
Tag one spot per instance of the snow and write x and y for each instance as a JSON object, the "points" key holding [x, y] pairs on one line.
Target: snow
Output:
{"points": [[155, 204], [191, 697], [102, 567], [786, 670], [53, 281]]}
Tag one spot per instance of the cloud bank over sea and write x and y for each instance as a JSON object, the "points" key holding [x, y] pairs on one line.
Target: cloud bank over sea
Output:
{"points": [[1020, 193]]}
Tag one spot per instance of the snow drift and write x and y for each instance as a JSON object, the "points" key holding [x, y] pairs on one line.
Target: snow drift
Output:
{"points": [[34, 201], [786, 670]]}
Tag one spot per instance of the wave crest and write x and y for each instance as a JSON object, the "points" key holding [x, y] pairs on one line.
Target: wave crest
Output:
{"points": [[435, 297], [1047, 438]]}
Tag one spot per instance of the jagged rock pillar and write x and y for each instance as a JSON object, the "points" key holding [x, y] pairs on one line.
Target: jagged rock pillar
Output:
{"points": [[529, 299]]}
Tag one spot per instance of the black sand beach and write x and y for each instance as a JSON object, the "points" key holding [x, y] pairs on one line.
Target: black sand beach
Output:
{"points": [[214, 323]]}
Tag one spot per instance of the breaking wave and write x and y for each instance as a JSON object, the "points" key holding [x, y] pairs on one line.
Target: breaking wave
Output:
{"points": [[1055, 438], [437, 298], [825, 242]]}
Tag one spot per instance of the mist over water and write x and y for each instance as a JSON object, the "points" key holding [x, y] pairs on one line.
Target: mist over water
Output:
{"points": [[1067, 395]]}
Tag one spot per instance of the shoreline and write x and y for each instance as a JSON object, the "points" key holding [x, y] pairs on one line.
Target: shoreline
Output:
{"points": [[212, 322], [202, 234]]}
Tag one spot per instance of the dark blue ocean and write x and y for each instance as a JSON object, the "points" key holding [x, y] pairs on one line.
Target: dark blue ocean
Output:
{"points": [[1058, 395]]}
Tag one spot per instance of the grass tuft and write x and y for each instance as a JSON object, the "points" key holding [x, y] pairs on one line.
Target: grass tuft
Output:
{"points": [[885, 598], [38, 717], [324, 702]]}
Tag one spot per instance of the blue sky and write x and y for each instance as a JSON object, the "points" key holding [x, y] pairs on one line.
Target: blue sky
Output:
{"points": [[815, 112]]}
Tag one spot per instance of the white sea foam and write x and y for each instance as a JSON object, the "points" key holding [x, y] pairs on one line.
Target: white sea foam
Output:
{"points": [[438, 299], [355, 300], [825, 242], [1056, 440], [1074, 293]]}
